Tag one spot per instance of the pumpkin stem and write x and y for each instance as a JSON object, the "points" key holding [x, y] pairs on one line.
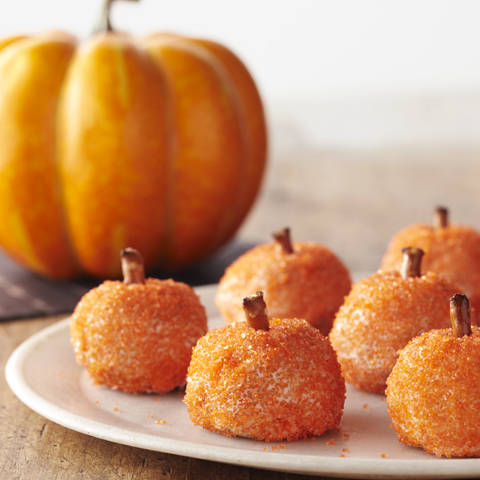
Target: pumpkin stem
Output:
{"points": [[132, 266], [256, 311], [440, 218], [283, 239], [103, 23], [460, 315], [412, 262]]}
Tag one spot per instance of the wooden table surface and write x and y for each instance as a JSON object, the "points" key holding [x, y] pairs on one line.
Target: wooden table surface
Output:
{"points": [[352, 202]]}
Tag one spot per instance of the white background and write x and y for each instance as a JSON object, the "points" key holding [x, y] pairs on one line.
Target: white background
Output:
{"points": [[342, 73]]}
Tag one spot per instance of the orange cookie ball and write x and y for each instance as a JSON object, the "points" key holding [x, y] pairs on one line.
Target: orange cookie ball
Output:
{"points": [[433, 393], [138, 337], [452, 251], [303, 280], [284, 383], [381, 314]]}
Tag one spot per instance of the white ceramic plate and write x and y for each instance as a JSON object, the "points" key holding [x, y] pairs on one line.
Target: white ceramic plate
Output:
{"points": [[43, 374]]}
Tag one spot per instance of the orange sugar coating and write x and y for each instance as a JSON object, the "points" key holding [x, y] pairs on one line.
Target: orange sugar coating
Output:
{"points": [[310, 283], [281, 384], [453, 252], [382, 313], [433, 394], [138, 337]]}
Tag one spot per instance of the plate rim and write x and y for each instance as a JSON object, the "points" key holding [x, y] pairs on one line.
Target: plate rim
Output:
{"points": [[363, 468]]}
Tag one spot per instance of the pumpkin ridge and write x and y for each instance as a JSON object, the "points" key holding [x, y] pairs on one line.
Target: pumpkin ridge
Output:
{"points": [[254, 120], [113, 162], [171, 153], [33, 230], [7, 41], [193, 72], [231, 223]]}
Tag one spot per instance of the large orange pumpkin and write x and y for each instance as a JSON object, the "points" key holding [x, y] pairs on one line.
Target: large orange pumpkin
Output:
{"points": [[156, 143]]}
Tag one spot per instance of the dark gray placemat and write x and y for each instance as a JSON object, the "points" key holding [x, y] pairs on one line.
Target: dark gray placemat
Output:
{"points": [[23, 294], [26, 295]]}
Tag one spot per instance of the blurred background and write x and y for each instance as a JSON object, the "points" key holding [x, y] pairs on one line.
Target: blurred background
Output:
{"points": [[373, 107]]}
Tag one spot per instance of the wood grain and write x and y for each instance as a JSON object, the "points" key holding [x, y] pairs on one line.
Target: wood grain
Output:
{"points": [[354, 201]]}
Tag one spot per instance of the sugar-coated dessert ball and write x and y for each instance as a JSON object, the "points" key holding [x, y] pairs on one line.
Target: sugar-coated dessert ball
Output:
{"points": [[433, 392], [138, 337], [382, 313], [283, 383], [451, 250], [304, 280]]}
